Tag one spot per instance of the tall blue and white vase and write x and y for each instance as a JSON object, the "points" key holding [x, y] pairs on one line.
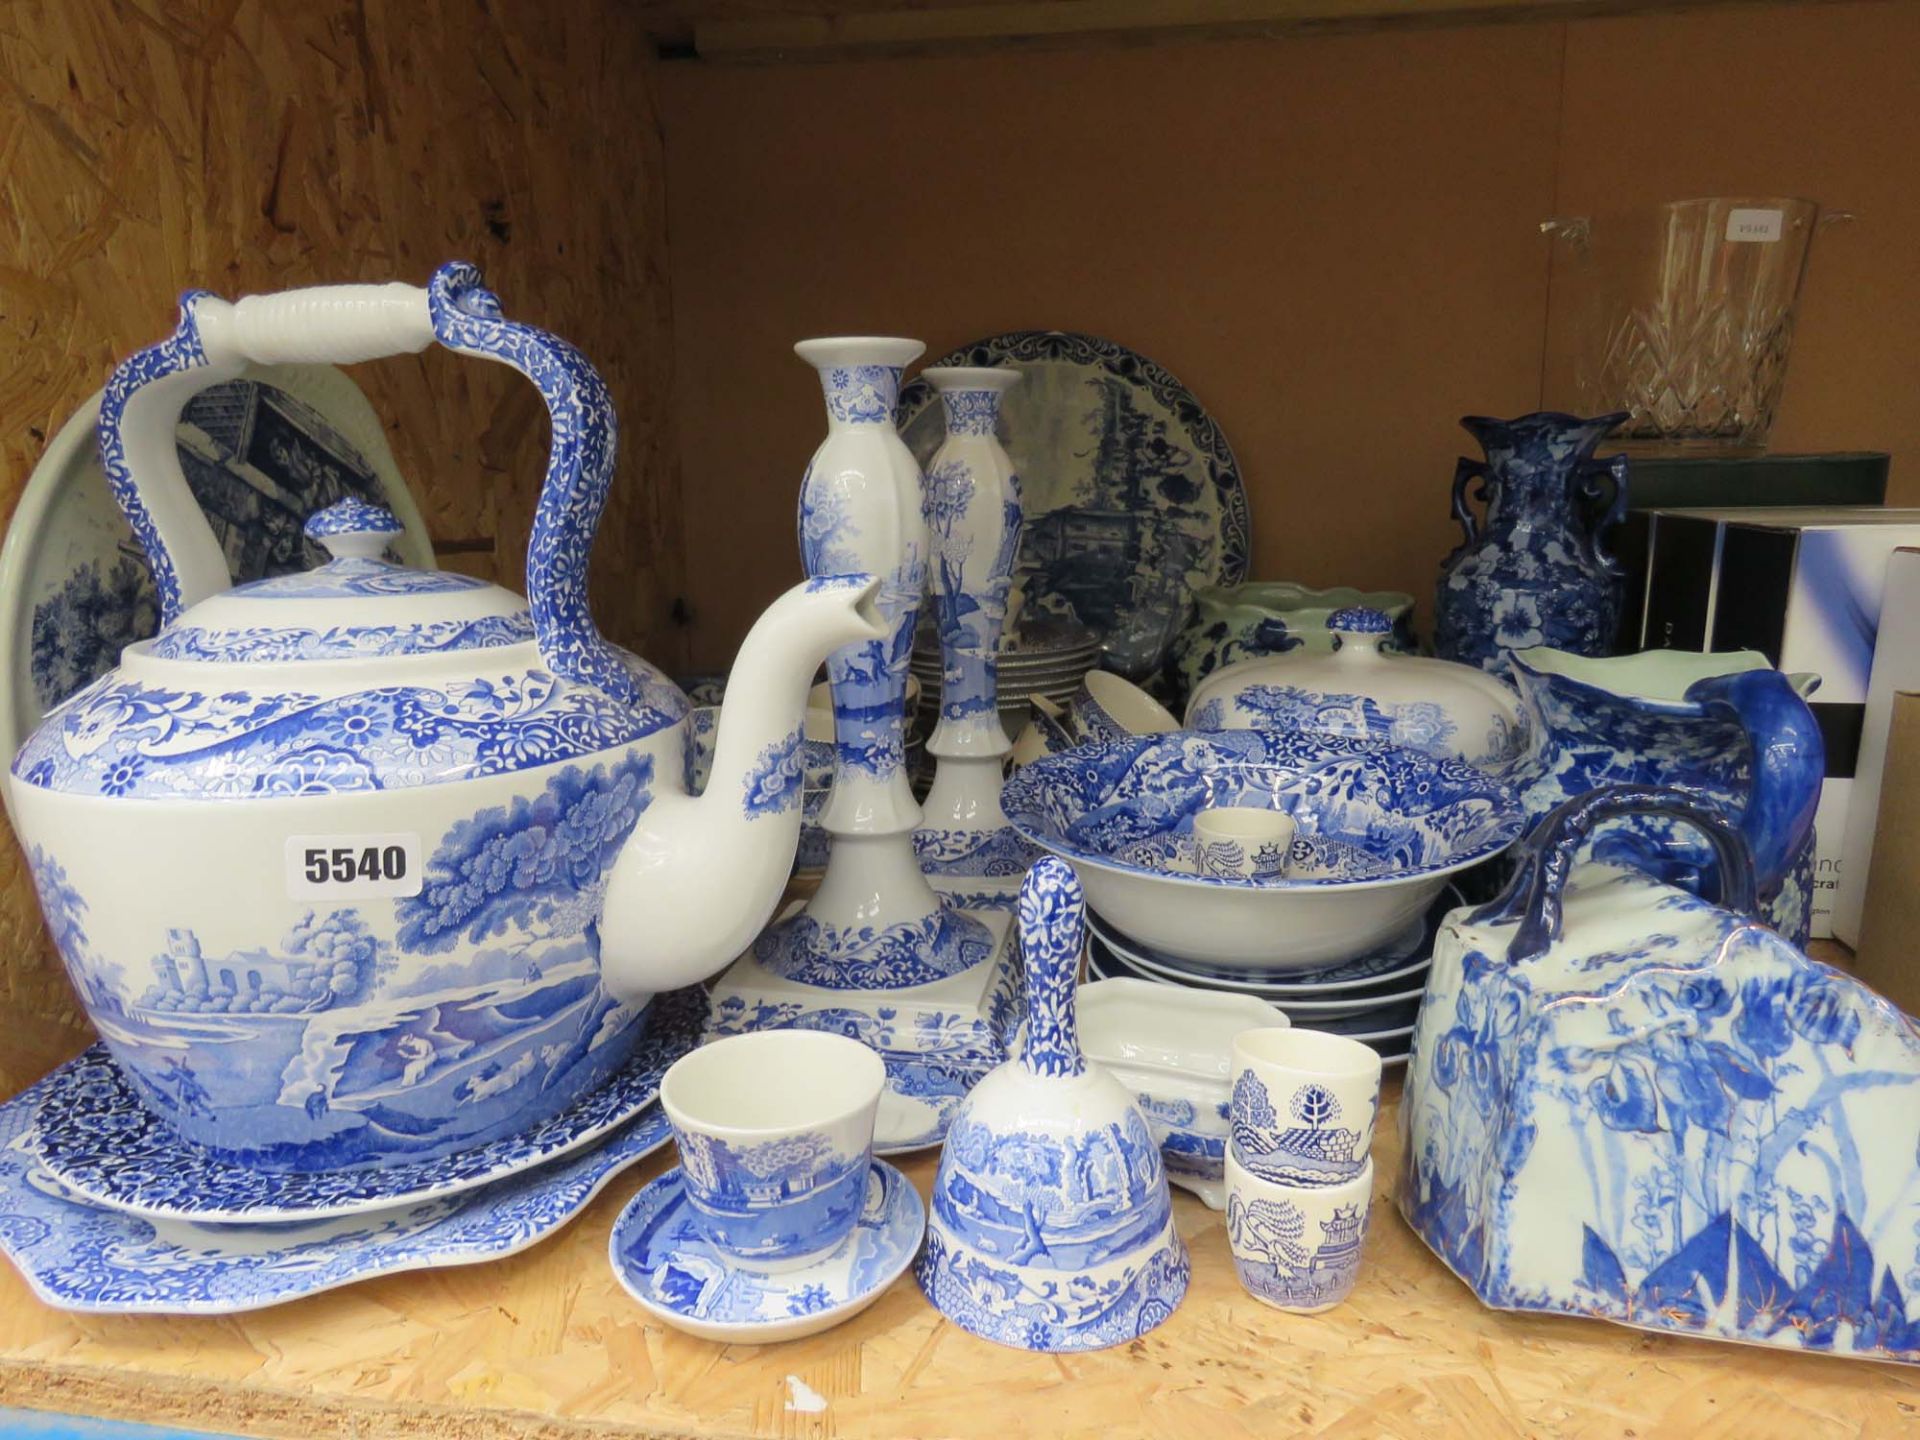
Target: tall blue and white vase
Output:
{"points": [[973, 520], [874, 923], [1535, 569]]}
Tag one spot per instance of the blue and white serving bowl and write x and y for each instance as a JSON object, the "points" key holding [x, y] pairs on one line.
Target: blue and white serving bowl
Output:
{"points": [[1380, 829]]}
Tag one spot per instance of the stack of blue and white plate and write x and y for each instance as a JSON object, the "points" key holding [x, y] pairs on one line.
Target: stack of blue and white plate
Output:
{"points": [[1373, 998], [103, 1208]]}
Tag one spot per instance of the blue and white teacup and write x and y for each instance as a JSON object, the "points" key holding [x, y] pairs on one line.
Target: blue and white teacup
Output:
{"points": [[775, 1131], [1242, 842], [1304, 1105]]}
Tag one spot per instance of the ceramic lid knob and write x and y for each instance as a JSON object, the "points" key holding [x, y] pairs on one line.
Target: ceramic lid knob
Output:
{"points": [[354, 529], [1356, 625]]}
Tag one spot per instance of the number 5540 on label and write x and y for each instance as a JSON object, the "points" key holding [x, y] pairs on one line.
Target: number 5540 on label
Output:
{"points": [[352, 867]]}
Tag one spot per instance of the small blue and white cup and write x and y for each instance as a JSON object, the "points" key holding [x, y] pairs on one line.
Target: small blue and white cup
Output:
{"points": [[1303, 1106], [775, 1132], [1248, 843], [1297, 1247]]}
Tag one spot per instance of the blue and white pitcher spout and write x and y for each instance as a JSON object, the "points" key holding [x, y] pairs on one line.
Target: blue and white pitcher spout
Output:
{"points": [[698, 878]]}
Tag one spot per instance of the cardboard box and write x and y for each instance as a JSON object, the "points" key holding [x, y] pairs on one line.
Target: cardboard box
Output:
{"points": [[1896, 668], [1888, 957], [1802, 585]]}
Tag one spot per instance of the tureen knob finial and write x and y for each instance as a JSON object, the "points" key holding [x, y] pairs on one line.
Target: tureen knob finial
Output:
{"points": [[353, 529], [1360, 622]]}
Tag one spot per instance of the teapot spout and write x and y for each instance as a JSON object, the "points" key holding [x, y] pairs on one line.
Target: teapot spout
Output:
{"points": [[698, 878]]}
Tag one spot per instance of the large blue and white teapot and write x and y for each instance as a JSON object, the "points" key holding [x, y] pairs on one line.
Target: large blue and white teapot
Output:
{"points": [[372, 861]]}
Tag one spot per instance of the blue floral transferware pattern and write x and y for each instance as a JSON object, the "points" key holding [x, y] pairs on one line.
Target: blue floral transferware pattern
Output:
{"points": [[350, 1041], [773, 1200], [974, 854], [1306, 1147], [1278, 1259], [340, 642], [122, 737], [352, 516], [1535, 571], [314, 974], [1363, 690], [1052, 1227], [78, 1257], [1727, 729], [1364, 810], [1629, 1104], [1132, 494], [866, 957], [660, 1256], [869, 679], [105, 1147]]}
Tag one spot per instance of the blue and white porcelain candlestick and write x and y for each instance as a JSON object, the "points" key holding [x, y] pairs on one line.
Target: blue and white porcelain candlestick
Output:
{"points": [[875, 929], [973, 520]]}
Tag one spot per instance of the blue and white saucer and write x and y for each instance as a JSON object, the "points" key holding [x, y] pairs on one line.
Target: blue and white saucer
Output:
{"points": [[677, 1276], [104, 1146], [76, 1256]]}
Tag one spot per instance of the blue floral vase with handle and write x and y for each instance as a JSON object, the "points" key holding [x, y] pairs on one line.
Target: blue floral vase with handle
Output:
{"points": [[1534, 570]]}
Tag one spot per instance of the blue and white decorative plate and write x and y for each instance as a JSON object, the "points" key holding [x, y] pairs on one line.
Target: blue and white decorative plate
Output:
{"points": [[1132, 495], [288, 440], [1401, 960], [665, 1265], [76, 1256], [102, 1145]]}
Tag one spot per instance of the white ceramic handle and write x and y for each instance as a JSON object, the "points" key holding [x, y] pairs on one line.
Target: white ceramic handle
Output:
{"points": [[214, 341], [321, 325]]}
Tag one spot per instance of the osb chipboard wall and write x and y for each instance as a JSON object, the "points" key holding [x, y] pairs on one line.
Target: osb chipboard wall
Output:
{"points": [[1333, 241], [250, 145]]}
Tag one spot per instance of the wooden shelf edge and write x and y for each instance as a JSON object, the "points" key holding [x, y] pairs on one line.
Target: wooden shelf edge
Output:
{"points": [[1034, 23]]}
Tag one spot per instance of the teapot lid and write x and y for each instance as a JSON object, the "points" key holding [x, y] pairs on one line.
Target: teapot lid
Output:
{"points": [[359, 674], [355, 606]]}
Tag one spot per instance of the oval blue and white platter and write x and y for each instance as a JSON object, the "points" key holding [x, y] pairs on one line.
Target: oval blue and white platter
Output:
{"points": [[76, 1256]]}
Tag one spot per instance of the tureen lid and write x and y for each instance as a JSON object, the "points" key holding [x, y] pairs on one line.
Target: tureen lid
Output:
{"points": [[1363, 689], [357, 605]]}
